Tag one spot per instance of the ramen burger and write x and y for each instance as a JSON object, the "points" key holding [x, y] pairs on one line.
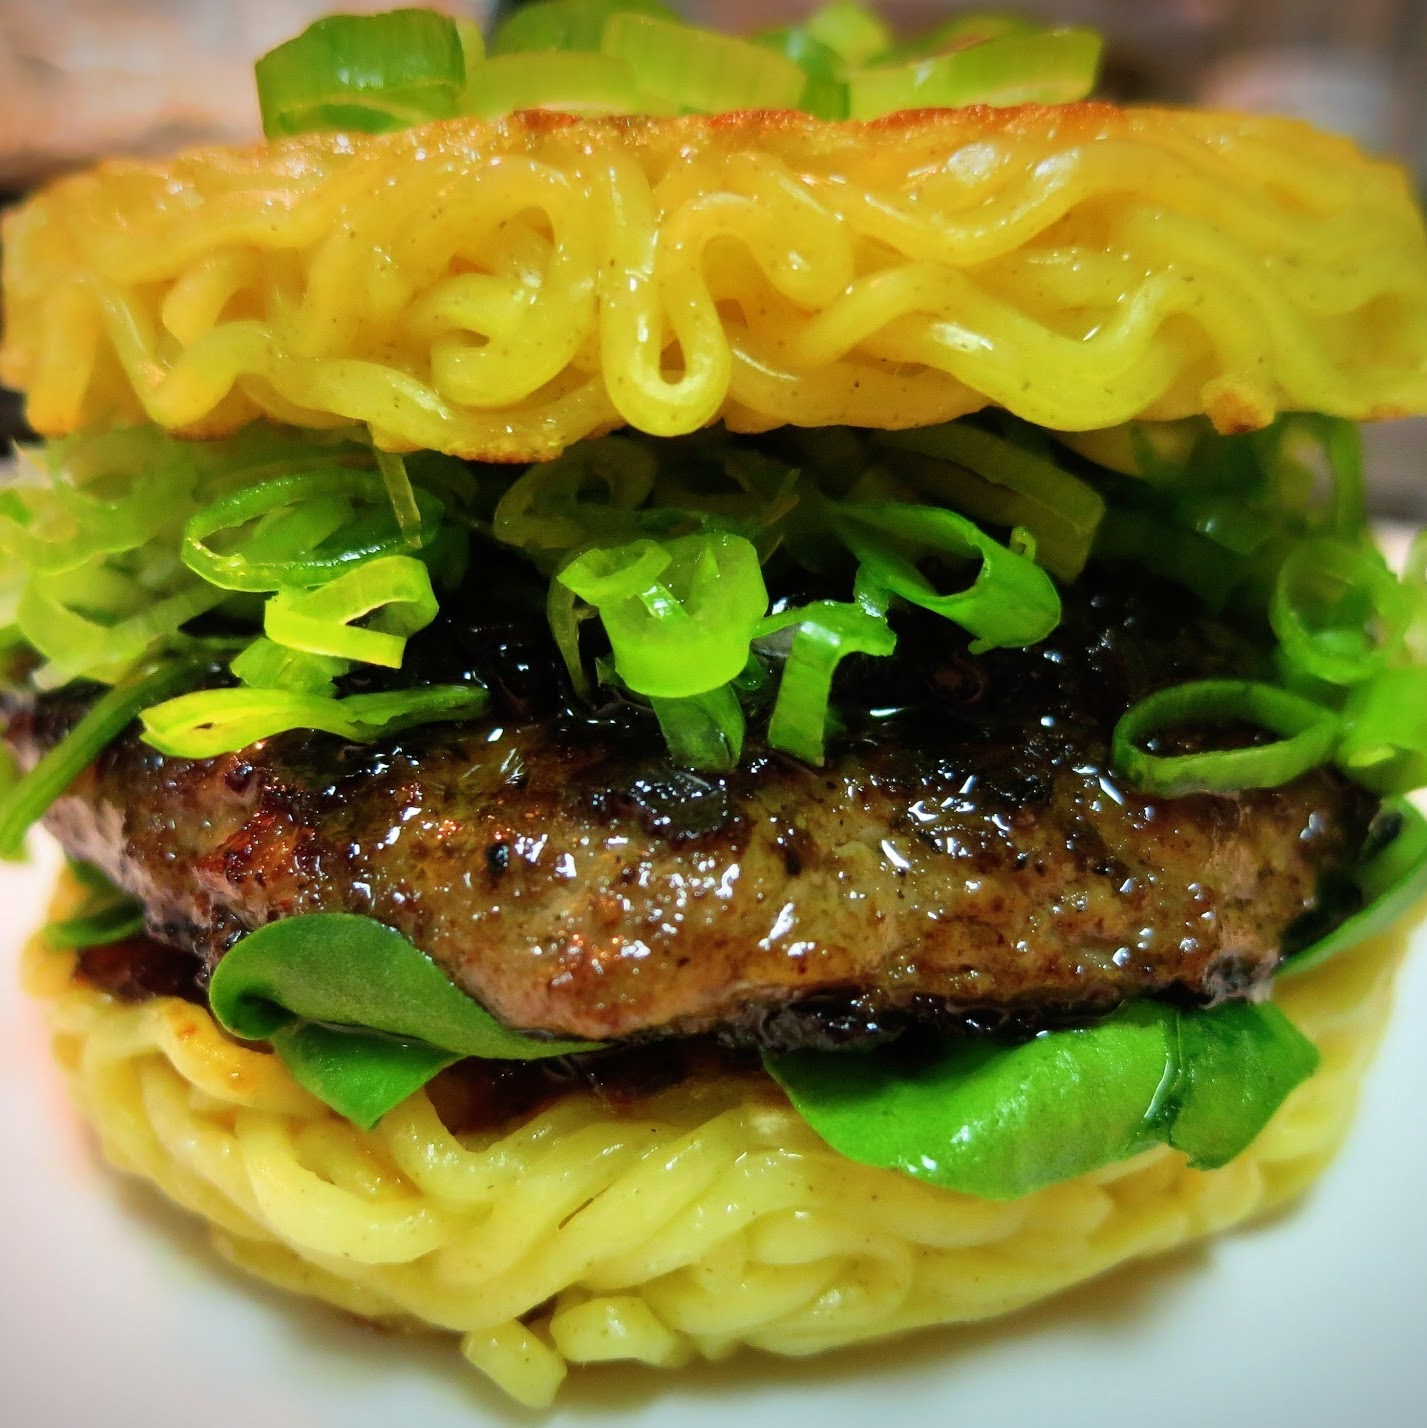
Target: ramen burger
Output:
{"points": [[711, 693]]}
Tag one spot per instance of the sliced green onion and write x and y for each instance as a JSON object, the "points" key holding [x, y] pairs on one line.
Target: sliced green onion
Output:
{"points": [[1011, 601], [701, 71], [827, 632], [573, 82], [960, 33], [78, 647], [568, 24], [210, 722], [1384, 739], [853, 32], [265, 665], [1048, 67], [550, 508], [403, 498], [364, 72], [265, 560], [396, 587], [1308, 733], [1337, 610], [1059, 509], [825, 88], [703, 731], [25, 802], [679, 616]]}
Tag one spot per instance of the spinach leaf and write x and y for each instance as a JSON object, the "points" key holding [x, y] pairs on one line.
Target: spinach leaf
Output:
{"points": [[999, 1121], [360, 1074], [104, 914], [360, 1016], [1391, 876], [1237, 1064]]}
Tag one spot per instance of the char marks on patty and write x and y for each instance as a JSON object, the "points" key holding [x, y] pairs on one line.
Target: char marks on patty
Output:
{"points": [[965, 858]]}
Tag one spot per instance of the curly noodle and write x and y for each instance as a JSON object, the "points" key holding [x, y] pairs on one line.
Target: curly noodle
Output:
{"points": [[502, 290]]}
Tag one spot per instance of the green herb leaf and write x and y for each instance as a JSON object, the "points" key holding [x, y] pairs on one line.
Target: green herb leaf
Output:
{"points": [[1237, 1064], [992, 1120], [360, 1074], [105, 914], [361, 1017], [1001, 1121], [1391, 876], [344, 970]]}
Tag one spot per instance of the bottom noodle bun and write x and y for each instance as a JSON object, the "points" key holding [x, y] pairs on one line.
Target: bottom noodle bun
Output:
{"points": [[687, 1224]]}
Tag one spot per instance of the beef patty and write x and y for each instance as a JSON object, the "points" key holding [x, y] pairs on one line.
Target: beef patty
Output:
{"points": [[965, 857]]}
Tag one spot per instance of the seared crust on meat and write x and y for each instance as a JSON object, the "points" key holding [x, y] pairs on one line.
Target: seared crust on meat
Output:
{"points": [[966, 854]]}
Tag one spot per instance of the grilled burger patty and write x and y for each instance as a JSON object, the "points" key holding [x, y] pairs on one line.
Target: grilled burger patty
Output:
{"points": [[966, 857]]}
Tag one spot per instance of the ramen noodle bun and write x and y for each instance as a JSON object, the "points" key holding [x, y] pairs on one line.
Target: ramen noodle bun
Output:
{"points": [[500, 290], [690, 1224]]}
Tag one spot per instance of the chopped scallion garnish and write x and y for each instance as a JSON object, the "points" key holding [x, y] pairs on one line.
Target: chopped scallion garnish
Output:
{"points": [[364, 72]]}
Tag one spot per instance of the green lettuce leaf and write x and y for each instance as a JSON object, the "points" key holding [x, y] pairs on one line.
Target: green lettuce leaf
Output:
{"points": [[360, 1016], [1000, 1121]]}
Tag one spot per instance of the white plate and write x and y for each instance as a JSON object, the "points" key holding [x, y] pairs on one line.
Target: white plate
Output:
{"points": [[113, 1313]]}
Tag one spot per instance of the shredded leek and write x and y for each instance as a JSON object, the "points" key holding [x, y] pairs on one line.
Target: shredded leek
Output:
{"points": [[827, 633], [301, 558], [216, 721], [320, 622], [680, 616], [297, 532], [703, 731], [1009, 601]]}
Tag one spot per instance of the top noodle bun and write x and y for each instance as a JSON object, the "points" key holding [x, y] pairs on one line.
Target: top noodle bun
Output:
{"points": [[501, 290]]}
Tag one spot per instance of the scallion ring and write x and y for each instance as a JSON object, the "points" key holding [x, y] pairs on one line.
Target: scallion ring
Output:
{"points": [[263, 562], [1337, 610], [1307, 732]]}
